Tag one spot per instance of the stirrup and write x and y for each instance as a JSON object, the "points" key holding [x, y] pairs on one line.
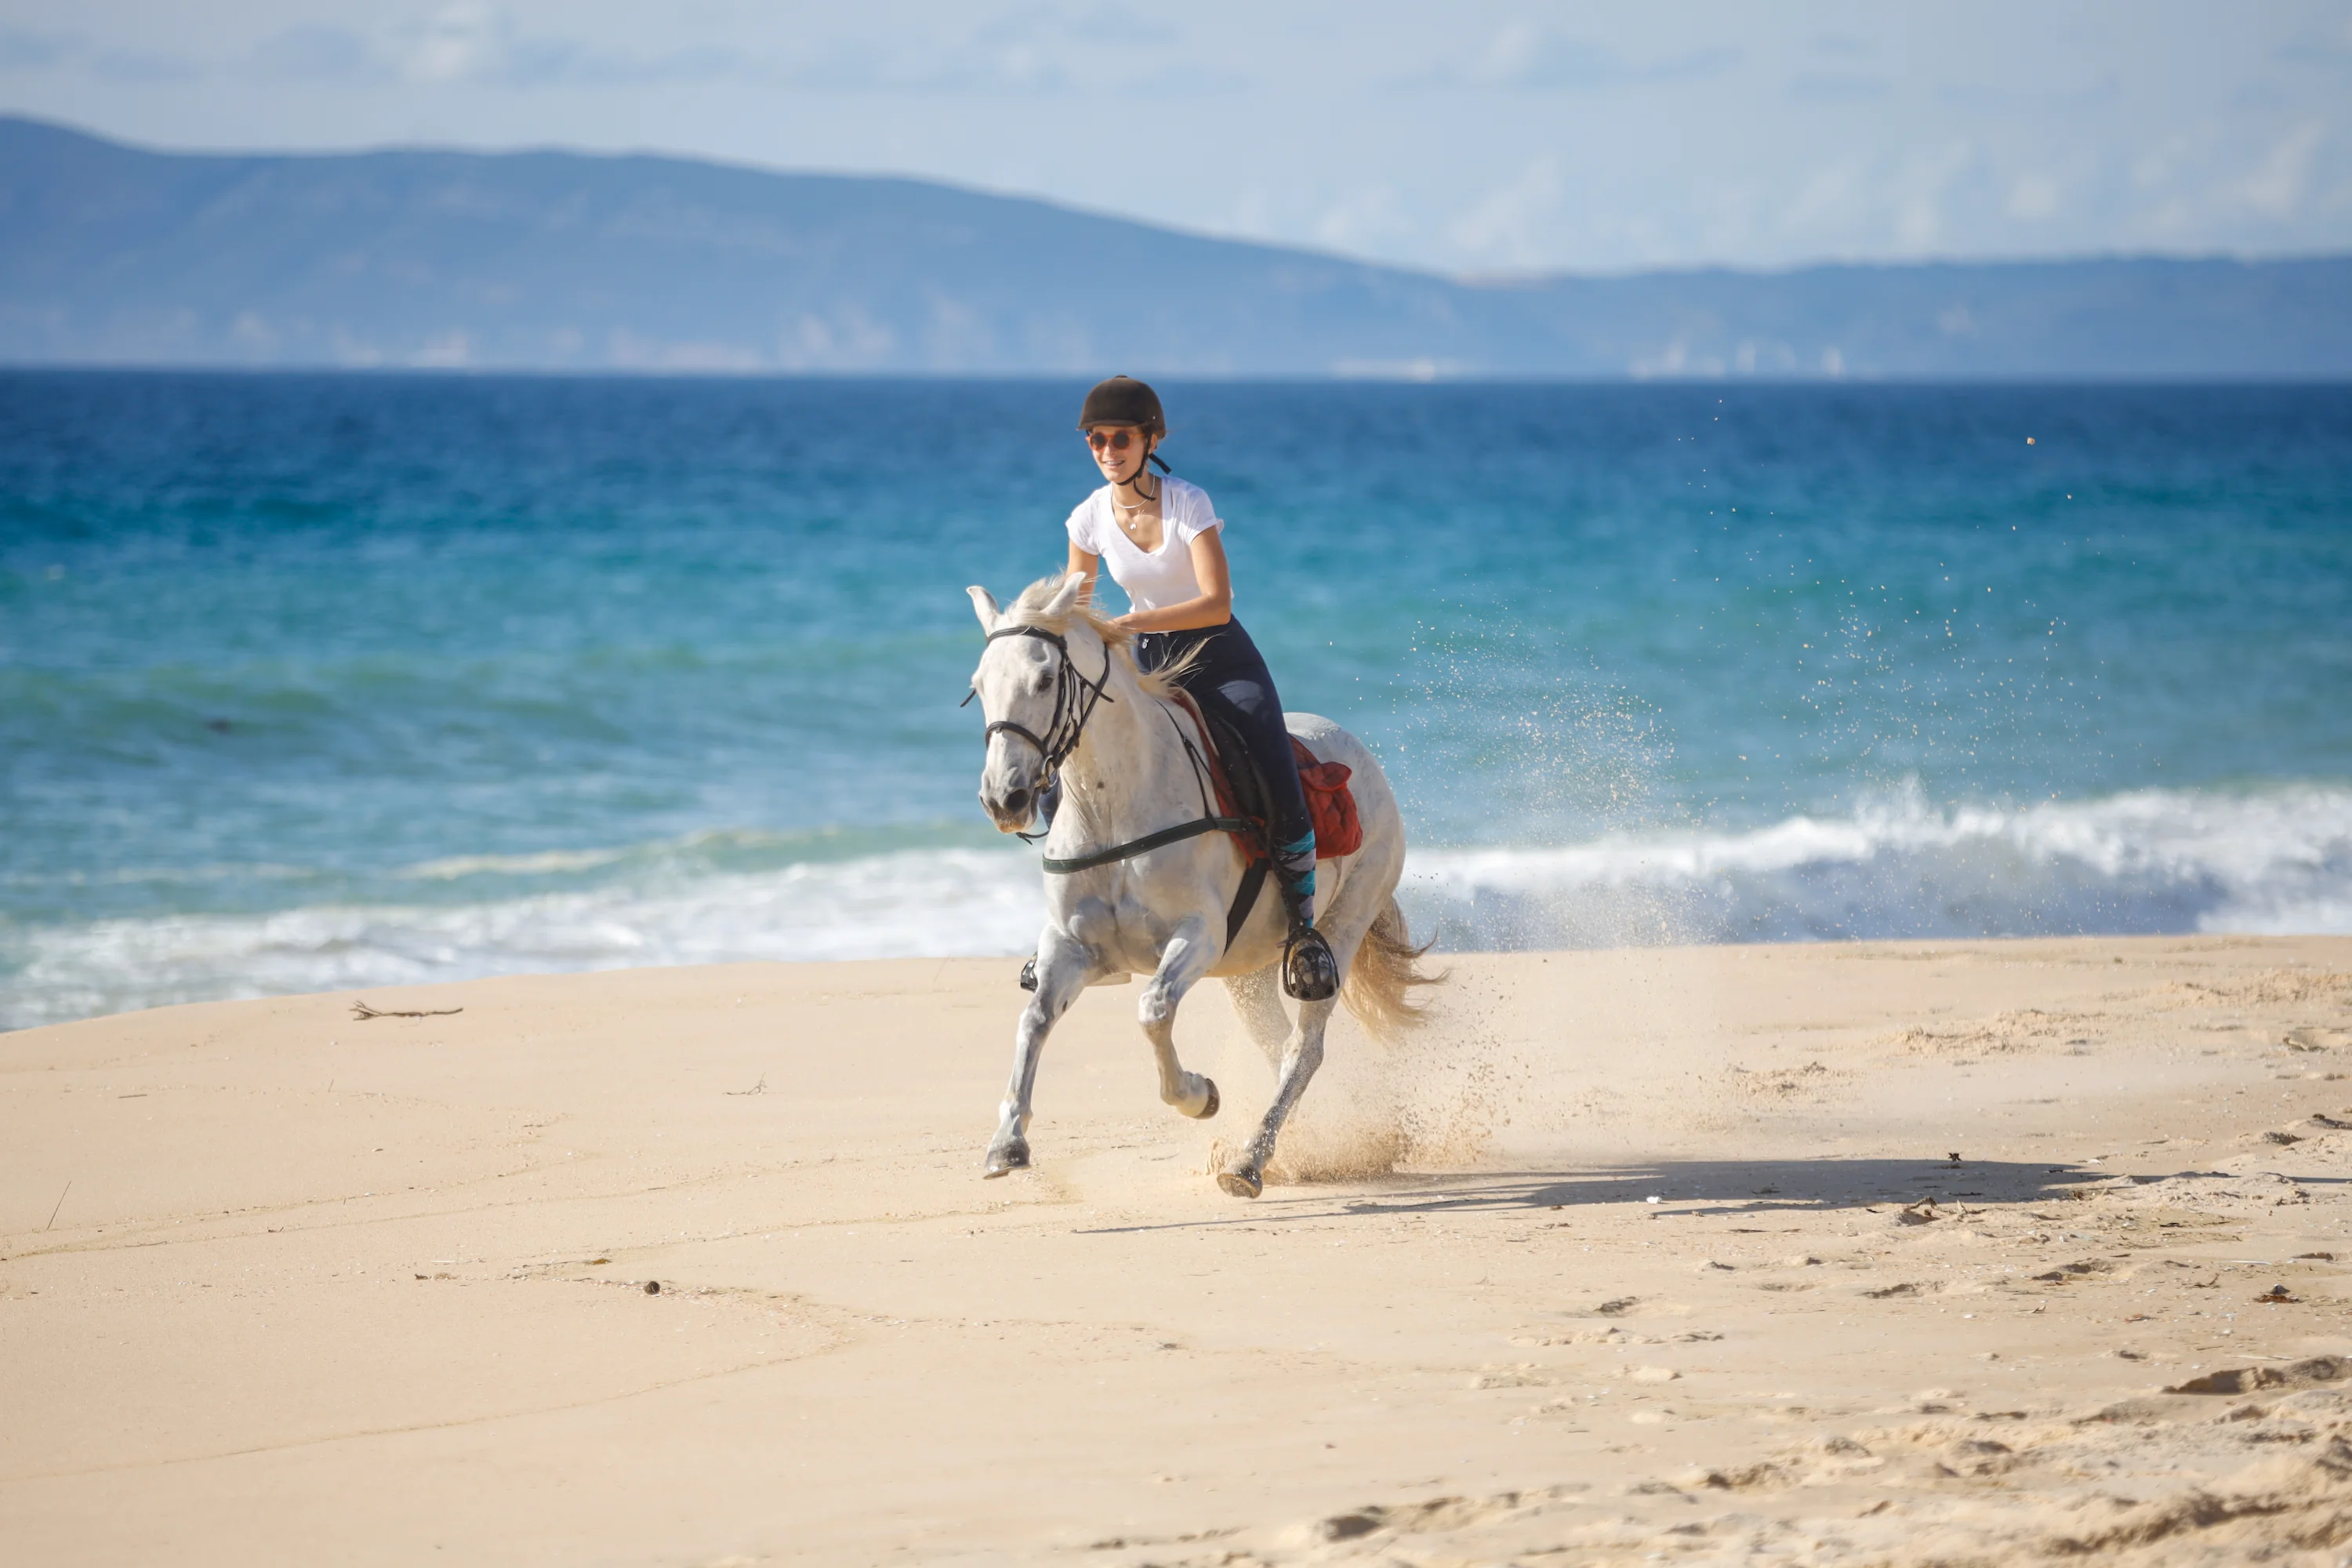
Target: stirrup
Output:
{"points": [[1309, 972], [1029, 975]]}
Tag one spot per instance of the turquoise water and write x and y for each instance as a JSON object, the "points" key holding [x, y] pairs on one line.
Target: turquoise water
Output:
{"points": [[316, 681]]}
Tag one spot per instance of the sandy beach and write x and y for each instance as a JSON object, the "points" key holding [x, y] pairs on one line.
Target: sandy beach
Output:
{"points": [[1870, 1253]]}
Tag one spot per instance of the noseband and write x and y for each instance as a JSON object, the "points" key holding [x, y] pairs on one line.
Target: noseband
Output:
{"points": [[1074, 700]]}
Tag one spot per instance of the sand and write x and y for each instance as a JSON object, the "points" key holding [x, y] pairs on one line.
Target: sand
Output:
{"points": [[1881, 1253]]}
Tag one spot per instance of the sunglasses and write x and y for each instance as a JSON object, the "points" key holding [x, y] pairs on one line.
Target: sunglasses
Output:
{"points": [[1116, 440]]}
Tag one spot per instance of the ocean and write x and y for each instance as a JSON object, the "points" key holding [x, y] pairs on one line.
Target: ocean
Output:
{"points": [[313, 682]]}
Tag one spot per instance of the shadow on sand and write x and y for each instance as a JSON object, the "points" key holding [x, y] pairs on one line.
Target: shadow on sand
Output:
{"points": [[1727, 1188]]}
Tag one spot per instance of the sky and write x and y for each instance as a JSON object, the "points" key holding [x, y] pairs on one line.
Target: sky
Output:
{"points": [[1472, 138]]}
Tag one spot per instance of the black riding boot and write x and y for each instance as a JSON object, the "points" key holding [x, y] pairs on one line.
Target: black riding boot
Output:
{"points": [[1309, 972]]}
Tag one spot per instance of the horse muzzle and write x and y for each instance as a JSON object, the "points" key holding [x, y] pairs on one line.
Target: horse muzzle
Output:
{"points": [[1011, 809], [1011, 787]]}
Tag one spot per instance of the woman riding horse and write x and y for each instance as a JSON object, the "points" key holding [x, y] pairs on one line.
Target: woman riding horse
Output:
{"points": [[1163, 542]]}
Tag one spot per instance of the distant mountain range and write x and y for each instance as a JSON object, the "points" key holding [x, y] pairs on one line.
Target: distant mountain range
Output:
{"points": [[113, 254]]}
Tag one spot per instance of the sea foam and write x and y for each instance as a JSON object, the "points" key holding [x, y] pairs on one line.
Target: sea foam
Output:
{"points": [[2274, 861], [2278, 860]]}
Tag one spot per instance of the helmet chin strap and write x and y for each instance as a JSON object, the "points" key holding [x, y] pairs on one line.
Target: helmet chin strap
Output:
{"points": [[1143, 471]]}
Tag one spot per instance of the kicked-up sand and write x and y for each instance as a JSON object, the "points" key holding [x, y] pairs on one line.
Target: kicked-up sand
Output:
{"points": [[1890, 1253]]}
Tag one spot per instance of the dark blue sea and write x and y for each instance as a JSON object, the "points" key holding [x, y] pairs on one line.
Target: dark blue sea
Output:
{"points": [[323, 681]]}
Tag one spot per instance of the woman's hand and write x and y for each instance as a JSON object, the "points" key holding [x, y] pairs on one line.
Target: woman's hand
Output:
{"points": [[1213, 607]]}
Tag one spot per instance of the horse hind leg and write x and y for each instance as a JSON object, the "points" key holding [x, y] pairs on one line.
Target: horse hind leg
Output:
{"points": [[1302, 1053], [1185, 959], [1258, 1001], [1245, 1174]]}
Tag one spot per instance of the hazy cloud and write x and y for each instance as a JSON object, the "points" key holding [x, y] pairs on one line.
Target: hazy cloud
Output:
{"points": [[1041, 51], [145, 65], [1035, 50], [1361, 221], [314, 50], [1526, 54], [2032, 196], [1830, 197], [1504, 227], [458, 41], [23, 50], [1837, 87], [472, 44], [2277, 186], [1923, 194], [2328, 48]]}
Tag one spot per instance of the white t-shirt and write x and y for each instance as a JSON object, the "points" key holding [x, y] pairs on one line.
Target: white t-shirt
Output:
{"points": [[1164, 577]]}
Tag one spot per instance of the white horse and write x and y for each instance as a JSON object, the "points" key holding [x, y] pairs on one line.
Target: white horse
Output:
{"points": [[1062, 694]]}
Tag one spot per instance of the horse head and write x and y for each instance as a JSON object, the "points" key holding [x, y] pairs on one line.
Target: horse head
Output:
{"points": [[1034, 693]]}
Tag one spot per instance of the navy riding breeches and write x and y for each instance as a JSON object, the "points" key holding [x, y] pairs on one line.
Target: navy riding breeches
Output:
{"points": [[1230, 681]]}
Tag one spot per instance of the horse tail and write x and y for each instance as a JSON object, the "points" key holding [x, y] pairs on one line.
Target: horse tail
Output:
{"points": [[1381, 980]]}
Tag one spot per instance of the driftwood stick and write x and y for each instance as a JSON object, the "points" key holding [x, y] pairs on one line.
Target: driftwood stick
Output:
{"points": [[361, 1010]]}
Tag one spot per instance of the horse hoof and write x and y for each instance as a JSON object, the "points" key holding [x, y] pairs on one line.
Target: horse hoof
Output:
{"points": [[1241, 1183], [1209, 1109], [1004, 1162]]}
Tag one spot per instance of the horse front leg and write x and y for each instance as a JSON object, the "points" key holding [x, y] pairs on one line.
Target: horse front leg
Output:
{"points": [[1182, 962], [1064, 966], [1244, 1173]]}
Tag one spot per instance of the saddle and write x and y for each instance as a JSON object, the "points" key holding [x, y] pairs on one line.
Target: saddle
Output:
{"points": [[1330, 803]]}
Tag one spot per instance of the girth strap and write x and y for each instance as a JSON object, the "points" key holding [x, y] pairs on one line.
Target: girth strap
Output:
{"points": [[1245, 900], [1245, 897], [1149, 842]]}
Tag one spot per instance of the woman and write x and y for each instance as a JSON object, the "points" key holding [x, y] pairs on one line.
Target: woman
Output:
{"points": [[1163, 543]]}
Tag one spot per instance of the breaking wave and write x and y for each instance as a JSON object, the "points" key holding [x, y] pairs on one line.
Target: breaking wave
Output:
{"points": [[2279, 860], [2274, 861]]}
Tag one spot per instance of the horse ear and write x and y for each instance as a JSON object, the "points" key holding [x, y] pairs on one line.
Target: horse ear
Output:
{"points": [[983, 604], [1073, 588]]}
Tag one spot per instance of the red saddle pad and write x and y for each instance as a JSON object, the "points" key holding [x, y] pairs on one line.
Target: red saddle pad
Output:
{"points": [[1330, 803]]}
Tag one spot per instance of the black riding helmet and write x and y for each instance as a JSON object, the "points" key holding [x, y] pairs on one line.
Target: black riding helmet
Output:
{"points": [[1123, 400]]}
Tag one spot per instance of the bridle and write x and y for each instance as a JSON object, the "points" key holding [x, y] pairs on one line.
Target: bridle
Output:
{"points": [[1073, 703], [1074, 700]]}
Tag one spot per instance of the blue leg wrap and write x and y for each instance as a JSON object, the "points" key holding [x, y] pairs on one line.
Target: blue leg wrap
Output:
{"points": [[1296, 861]]}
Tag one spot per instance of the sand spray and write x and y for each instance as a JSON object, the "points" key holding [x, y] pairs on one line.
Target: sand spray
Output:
{"points": [[1432, 1099]]}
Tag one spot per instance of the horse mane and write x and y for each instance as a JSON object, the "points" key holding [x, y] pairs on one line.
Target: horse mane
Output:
{"points": [[1028, 609]]}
